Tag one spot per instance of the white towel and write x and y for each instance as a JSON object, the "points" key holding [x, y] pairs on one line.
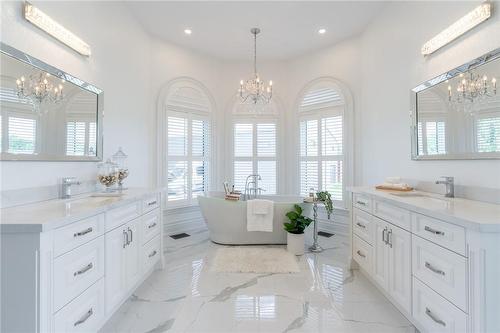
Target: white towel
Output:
{"points": [[260, 215]]}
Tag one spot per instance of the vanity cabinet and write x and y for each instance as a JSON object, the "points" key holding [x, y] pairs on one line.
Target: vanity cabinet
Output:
{"points": [[442, 276], [72, 275]]}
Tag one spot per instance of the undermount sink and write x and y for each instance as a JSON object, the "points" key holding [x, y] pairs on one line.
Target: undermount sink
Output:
{"points": [[417, 195]]}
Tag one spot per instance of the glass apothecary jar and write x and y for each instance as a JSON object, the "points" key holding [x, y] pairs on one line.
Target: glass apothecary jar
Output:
{"points": [[120, 158], [107, 174]]}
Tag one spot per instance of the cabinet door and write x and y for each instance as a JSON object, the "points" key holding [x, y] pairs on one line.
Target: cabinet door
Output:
{"points": [[400, 266], [115, 272], [380, 254], [133, 253]]}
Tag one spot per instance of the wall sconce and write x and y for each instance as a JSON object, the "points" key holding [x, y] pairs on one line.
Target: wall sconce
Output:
{"points": [[466, 23], [47, 24]]}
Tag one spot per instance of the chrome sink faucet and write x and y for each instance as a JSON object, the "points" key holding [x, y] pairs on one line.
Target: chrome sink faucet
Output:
{"points": [[66, 186], [450, 186]]}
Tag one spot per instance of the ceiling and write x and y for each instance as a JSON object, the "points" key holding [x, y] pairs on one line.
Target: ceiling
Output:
{"points": [[222, 29]]}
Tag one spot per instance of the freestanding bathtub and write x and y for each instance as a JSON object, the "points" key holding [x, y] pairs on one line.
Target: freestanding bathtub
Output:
{"points": [[227, 220]]}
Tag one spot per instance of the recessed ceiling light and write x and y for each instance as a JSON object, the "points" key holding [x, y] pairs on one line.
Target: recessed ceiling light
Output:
{"points": [[321, 31], [188, 31]]}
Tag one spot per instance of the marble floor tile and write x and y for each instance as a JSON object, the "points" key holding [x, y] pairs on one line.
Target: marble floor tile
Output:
{"points": [[187, 296]]}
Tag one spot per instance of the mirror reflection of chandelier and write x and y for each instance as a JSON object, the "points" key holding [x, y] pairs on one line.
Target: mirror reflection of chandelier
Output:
{"points": [[39, 88], [254, 90], [471, 88]]}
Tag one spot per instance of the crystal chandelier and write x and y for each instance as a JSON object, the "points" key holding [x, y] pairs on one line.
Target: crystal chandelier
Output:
{"points": [[254, 91], [40, 88], [472, 87]]}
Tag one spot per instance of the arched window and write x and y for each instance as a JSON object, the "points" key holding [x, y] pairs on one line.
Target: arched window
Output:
{"points": [[255, 145], [187, 108], [322, 139]]}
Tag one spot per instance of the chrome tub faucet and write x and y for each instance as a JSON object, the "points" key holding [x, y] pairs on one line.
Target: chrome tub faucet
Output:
{"points": [[450, 186]]}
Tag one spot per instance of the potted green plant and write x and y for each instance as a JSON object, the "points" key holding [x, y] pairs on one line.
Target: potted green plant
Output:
{"points": [[295, 230]]}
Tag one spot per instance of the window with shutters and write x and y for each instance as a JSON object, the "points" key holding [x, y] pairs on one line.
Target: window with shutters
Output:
{"points": [[321, 141], [488, 134], [80, 138], [22, 132], [431, 137], [255, 146], [188, 153]]}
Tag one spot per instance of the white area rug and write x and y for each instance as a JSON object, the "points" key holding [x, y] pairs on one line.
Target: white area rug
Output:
{"points": [[246, 259]]}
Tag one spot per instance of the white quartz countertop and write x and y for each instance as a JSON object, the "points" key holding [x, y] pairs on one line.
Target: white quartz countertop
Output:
{"points": [[476, 215], [51, 214]]}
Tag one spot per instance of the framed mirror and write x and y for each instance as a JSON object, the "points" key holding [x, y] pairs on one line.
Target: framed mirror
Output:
{"points": [[45, 113], [456, 115]]}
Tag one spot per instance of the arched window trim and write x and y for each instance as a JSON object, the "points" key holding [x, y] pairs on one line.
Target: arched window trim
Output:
{"points": [[162, 139], [348, 131]]}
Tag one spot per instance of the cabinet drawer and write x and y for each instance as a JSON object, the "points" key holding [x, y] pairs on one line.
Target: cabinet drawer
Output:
{"points": [[84, 314], [442, 270], [151, 253], [150, 203], [362, 201], [77, 270], [362, 252], [442, 233], [362, 225], [78, 233], [434, 313], [392, 214], [123, 214], [151, 225]]}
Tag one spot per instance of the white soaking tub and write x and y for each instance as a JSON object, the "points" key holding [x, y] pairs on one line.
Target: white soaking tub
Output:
{"points": [[227, 220]]}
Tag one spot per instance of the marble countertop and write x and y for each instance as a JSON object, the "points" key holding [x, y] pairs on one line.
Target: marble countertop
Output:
{"points": [[475, 215], [51, 214]]}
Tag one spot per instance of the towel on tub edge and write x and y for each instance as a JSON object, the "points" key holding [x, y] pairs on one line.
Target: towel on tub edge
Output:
{"points": [[260, 215]]}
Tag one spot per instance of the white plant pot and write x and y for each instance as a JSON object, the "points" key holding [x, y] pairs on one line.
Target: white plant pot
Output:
{"points": [[295, 243]]}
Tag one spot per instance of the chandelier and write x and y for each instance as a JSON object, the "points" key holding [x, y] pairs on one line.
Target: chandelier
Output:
{"points": [[472, 87], [254, 91], [40, 88]]}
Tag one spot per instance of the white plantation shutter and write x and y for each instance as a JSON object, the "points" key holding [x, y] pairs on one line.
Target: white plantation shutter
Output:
{"points": [[255, 153], [188, 143], [435, 137], [22, 135], [321, 142], [488, 134], [92, 139], [75, 138]]}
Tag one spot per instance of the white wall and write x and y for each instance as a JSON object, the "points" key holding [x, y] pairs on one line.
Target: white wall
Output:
{"points": [[391, 66], [119, 65]]}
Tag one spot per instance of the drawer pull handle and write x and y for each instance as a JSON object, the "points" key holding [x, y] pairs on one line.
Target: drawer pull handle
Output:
{"points": [[125, 238], [433, 317], [84, 318], [131, 235], [434, 231], [389, 238], [361, 203], [152, 203], [83, 270], [81, 233], [361, 225], [435, 270], [384, 238], [152, 225], [152, 254], [360, 254]]}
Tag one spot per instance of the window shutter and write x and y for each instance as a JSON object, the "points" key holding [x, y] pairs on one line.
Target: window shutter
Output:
{"points": [[241, 171], [200, 136], [75, 138], [92, 139], [22, 135], [435, 137], [420, 139], [266, 140], [267, 171], [243, 140], [488, 134], [308, 176], [332, 178], [177, 180], [331, 135], [177, 136], [309, 138]]}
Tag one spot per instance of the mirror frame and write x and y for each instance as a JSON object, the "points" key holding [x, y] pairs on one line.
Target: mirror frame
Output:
{"points": [[488, 57], [27, 59]]}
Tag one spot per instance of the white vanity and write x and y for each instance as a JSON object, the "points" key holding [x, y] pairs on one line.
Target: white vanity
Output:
{"points": [[68, 265], [436, 259]]}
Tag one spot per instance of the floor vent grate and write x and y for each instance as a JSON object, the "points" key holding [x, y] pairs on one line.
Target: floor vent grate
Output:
{"points": [[325, 234], [179, 236]]}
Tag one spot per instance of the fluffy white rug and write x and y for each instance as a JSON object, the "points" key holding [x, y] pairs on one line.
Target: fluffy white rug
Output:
{"points": [[247, 259]]}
